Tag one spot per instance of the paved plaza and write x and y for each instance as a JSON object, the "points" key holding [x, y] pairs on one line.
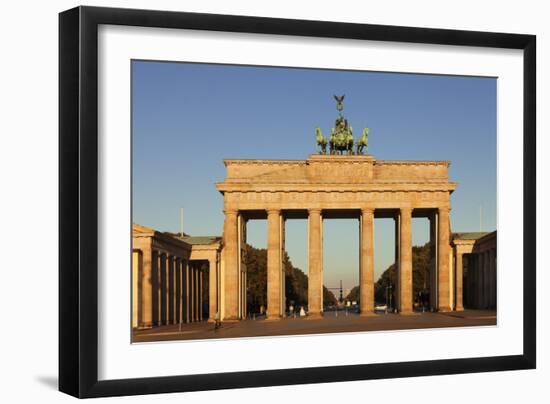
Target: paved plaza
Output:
{"points": [[331, 322]]}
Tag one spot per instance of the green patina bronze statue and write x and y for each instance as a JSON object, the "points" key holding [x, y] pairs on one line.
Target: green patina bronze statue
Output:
{"points": [[321, 141], [341, 136], [363, 142]]}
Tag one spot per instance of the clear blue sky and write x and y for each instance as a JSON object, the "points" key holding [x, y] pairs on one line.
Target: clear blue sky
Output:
{"points": [[187, 118]]}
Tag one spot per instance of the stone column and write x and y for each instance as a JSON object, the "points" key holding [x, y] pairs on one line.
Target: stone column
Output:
{"points": [[433, 260], [163, 289], [184, 291], [231, 292], [405, 261], [443, 277], [170, 283], [283, 278], [197, 293], [200, 293], [157, 289], [494, 279], [459, 281], [366, 277], [315, 260], [191, 292], [177, 295], [273, 264], [212, 289], [487, 277], [147, 285]]}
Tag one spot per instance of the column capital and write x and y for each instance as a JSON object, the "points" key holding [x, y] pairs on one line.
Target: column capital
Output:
{"points": [[273, 211], [444, 209], [367, 210], [314, 211], [228, 212], [406, 209]]}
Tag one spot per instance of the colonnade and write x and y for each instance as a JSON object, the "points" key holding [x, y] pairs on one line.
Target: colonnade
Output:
{"points": [[170, 289], [275, 271], [481, 281]]}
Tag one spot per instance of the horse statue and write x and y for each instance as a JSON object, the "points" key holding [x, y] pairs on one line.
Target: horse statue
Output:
{"points": [[363, 142], [321, 141], [332, 142]]}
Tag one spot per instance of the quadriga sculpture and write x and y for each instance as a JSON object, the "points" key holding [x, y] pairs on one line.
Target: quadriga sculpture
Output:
{"points": [[341, 136]]}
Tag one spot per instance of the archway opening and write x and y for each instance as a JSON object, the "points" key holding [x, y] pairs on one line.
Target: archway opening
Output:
{"points": [[295, 266], [422, 264], [255, 260], [340, 265], [385, 264]]}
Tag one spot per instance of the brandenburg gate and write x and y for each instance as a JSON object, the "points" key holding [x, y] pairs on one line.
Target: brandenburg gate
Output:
{"points": [[335, 186]]}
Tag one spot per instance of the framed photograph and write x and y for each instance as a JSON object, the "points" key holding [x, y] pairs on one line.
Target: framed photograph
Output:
{"points": [[241, 197]]}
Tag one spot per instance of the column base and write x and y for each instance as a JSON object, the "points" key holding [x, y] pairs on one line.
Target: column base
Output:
{"points": [[408, 313], [367, 314], [231, 319], [461, 308], [314, 316], [273, 318], [444, 309]]}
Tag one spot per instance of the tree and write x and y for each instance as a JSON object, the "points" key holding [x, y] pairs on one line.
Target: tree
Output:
{"points": [[421, 262], [353, 295], [256, 266], [328, 297]]}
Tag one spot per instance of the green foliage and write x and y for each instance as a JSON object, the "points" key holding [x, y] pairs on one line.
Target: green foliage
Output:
{"points": [[256, 265], [256, 274], [353, 295], [421, 258], [328, 297]]}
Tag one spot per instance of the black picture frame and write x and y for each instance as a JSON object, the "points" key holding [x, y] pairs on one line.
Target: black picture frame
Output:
{"points": [[78, 201]]}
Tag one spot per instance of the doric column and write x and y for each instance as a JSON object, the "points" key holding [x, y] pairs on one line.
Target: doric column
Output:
{"points": [[201, 297], [493, 278], [459, 282], [177, 294], [366, 278], [405, 261], [487, 284], [273, 264], [443, 277], [147, 285], [171, 291], [433, 260], [184, 291], [212, 288], [481, 279], [191, 279], [156, 289], [193, 272], [196, 286], [315, 262], [231, 290], [163, 289]]}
